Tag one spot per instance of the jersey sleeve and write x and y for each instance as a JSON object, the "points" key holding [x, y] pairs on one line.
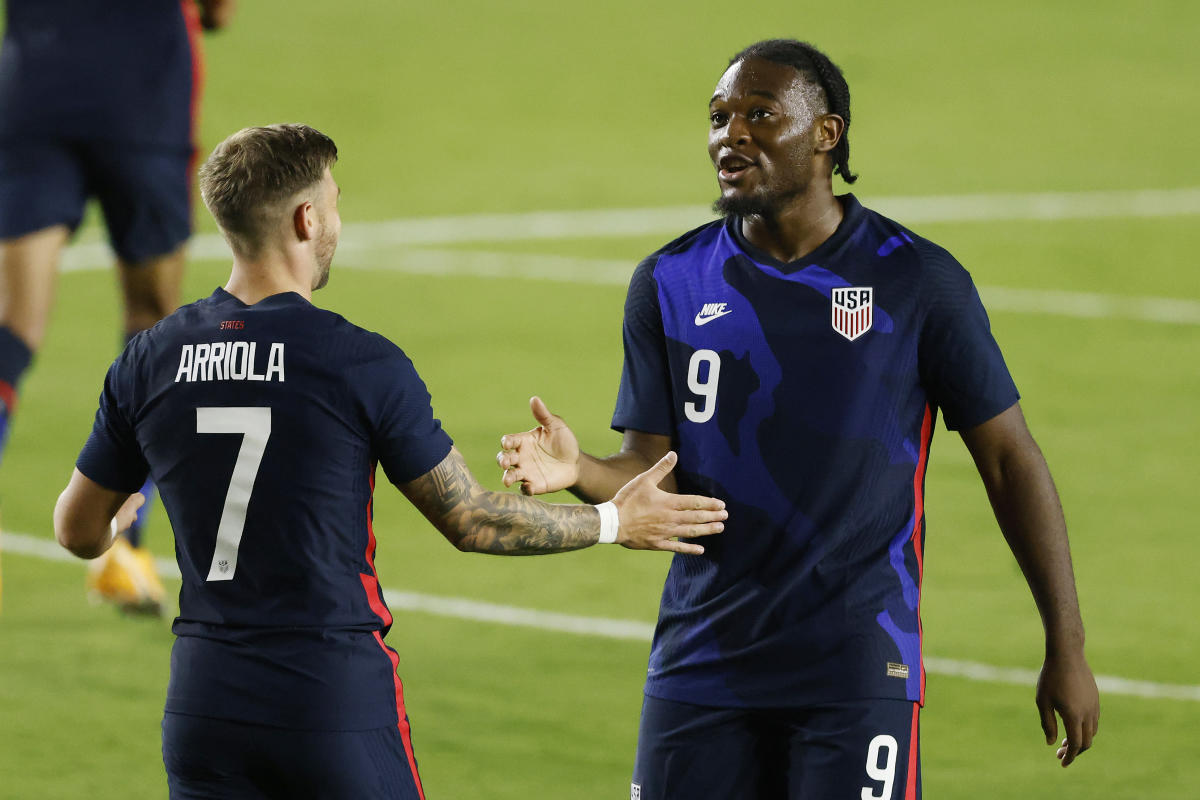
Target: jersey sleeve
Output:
{"points": [[112, 456], [406, 438], [960, 362], [644, 398]]}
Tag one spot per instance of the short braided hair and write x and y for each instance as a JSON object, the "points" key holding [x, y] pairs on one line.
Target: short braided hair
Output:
{"points": [[817, 68]]}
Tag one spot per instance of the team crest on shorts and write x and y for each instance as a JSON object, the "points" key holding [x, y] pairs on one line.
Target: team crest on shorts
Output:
{"points": [[853, 310], [635, 791]]}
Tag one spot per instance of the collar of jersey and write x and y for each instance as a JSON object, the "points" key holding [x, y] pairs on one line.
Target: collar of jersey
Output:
{"points": [[852, 212], [272, 301]]}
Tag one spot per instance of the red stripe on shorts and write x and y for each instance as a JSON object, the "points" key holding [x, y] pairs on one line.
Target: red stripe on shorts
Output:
{"points": [[914, 751]]}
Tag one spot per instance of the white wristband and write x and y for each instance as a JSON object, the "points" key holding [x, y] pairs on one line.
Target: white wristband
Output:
{"points": [[609, 522]]}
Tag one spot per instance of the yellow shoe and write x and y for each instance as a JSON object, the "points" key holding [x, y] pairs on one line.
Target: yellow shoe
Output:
{"points": [[125, 576]]}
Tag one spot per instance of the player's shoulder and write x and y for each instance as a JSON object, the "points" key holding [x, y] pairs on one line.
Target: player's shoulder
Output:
{"points": [[695, 239], [928, 262], [360, 354]]}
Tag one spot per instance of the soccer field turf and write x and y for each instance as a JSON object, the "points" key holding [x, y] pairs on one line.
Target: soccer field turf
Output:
{"points": [[482, 108]]}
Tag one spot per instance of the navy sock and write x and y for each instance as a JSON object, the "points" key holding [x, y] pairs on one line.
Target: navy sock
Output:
{"points": [[15, 357]]}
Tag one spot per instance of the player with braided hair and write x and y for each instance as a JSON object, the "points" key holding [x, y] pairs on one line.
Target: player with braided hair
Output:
{"points": [[821, 73], [796, 354]]}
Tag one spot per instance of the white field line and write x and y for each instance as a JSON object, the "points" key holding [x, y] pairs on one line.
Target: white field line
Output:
{"points": [[404, 245], [629, 630], [626, 222], [608, 272]]}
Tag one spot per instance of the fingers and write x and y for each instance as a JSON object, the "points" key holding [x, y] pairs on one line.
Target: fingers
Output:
{"points": [[513, 475], [1080, 730], [705, 529], [662, 469], [701, 519], [127, 513], [687, 548], [1072, 746], [1049, 722], [684, 502], [509, 459], [540, 412]]}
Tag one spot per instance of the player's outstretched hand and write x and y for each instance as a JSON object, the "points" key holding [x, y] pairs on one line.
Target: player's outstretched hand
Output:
{"points": [[1067, 686], [651, 518], [544, 459], [127, 513]]}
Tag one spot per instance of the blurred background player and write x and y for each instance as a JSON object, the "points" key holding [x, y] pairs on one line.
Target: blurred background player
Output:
{"points": [[797, 353], [97, 100], [264, 436]]}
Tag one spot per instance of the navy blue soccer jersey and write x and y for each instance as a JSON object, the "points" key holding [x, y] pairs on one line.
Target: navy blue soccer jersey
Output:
{"points": [[80, 69], [805, 396], [262, 426]]}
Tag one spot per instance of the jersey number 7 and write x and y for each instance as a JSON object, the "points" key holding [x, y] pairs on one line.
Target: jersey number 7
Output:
{"points": [[254, 423]]}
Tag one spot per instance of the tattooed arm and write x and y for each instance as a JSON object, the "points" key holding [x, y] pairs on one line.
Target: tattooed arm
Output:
{"points": [[475, 519]]}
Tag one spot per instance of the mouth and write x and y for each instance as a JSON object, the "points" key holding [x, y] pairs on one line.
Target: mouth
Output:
{"points": [[731, 167]]}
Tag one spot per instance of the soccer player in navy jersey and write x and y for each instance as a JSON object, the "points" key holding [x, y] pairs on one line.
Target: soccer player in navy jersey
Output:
{"points": [[97, 100], [262, 417], [796, 353]]}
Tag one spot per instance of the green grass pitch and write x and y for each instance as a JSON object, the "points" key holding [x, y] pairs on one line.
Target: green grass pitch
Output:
{"points": [[479, 107]]}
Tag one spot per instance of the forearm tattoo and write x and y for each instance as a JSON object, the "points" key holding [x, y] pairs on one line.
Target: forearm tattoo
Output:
{"points": [[476, 519]]}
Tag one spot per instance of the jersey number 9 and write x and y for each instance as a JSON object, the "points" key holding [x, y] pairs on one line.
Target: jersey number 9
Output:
{"points": [[706, 389]]}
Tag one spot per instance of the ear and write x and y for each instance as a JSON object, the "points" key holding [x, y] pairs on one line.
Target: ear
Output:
{"points": [[304, 221], [827, 131]]}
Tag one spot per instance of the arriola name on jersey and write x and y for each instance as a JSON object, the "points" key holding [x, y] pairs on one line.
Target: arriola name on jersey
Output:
{"points": [[227, 361]]}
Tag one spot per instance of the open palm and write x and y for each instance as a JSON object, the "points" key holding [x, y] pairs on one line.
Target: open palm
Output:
{"points": [[544, 459]]}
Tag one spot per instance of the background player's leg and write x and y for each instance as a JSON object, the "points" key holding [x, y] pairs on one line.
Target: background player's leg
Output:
{"points": [[28, 269], [863, 748], [145, 195], [150, 288], [42, 194], [151, 291], [28, 274], [126, 575], [686, 752]]}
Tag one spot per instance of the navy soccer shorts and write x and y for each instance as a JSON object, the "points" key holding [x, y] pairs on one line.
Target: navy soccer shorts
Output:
{"points": [[857, 749], [213, 758], [144, 192]]}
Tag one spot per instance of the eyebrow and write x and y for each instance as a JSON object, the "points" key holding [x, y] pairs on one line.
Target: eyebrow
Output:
{"points": [[754, 93]]}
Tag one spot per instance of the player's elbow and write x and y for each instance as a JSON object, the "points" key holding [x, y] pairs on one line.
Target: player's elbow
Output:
{"points": [[74, 533], [462, 542]]}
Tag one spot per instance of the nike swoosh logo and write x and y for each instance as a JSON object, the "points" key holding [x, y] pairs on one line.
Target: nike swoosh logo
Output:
{"points": [[703, 320]]}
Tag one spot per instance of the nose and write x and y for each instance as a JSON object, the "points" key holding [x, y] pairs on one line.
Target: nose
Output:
{"points": [[736, 131]]}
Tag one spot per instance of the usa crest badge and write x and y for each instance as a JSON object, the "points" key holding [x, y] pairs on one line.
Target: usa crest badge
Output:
{"points": [[853, 310]]}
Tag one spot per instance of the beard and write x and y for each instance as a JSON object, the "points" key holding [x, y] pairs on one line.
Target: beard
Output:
{"points": [[742, 206], [764, 203]]}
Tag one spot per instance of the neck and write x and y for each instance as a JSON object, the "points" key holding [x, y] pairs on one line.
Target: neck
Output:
{"points": [[796, 230], [269, 273]]}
